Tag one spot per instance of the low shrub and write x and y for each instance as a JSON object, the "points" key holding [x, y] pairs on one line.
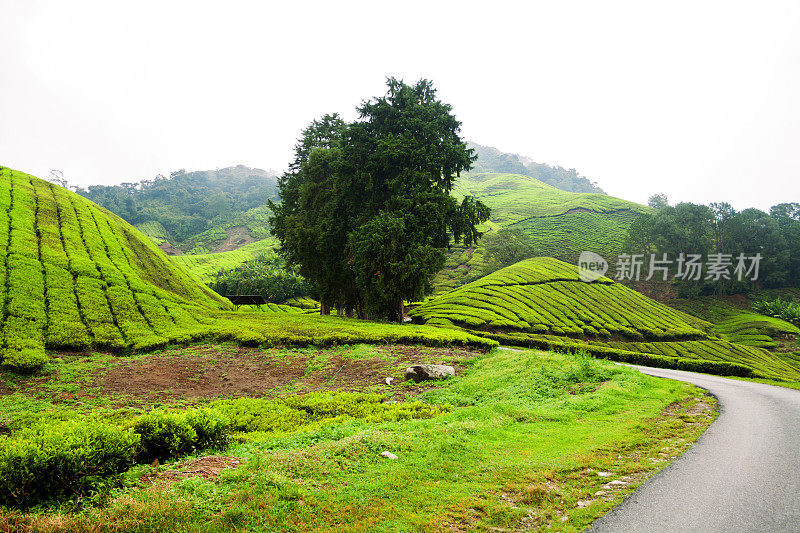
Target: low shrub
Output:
{"points": [[166, 434], [51, 462]]}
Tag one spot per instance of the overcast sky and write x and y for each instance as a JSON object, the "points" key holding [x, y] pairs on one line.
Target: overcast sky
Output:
{"points": [[700, 100]]}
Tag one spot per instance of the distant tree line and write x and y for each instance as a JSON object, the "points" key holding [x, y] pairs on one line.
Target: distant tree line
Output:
{"points": [[493, 160], [365, 207], [187, 203], [720, 229]]}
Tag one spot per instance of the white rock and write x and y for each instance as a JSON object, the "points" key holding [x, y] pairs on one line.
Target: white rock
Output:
{"points": [[425, 372], [388, 381], [584, 503], [388, 455], [617, 482], [605, 474]]}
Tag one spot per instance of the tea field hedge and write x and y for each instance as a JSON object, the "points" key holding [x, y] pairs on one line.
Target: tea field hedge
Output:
{"points": [[546, 296], [74, 277]]}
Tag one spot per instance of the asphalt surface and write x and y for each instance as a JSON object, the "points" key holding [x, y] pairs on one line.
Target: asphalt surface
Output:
{"points": [[743, 474]]}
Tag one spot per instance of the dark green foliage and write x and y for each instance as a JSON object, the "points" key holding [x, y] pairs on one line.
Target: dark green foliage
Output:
{"points": [[51, 462], [788, 310], [719, 229], [506, 247], [266, 275], [366, 208]]}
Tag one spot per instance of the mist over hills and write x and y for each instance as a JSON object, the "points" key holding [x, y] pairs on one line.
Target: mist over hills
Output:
{"points": [[493, 160]]}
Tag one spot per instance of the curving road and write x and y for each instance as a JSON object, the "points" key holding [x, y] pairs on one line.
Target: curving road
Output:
{"points": [[743, 474]]}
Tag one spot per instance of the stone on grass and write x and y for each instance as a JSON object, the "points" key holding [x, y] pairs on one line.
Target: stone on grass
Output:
{"points": [[427, 372], [388, 455]]}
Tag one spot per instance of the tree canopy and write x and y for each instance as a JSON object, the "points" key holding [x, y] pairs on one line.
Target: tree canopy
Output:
{"points": [[720, 229], [365, 207]]}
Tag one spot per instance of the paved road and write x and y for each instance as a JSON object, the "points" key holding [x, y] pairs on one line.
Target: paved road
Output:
{"points": [[743, 474]]}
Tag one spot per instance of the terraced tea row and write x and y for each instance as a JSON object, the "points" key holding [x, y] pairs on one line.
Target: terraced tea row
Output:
{"points": [[546, 296], [74, 276], [205, 266]]}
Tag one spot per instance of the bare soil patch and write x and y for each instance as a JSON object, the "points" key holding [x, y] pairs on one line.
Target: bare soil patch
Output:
{"points": [[237, 237], [208, 467], [196, 374], [211, 371]]}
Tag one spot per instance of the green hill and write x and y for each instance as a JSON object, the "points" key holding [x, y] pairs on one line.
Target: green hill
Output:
{"points": [[493, 160], [542, 302], [193, 210], [205, 266], [76, 276], [559, 224]]}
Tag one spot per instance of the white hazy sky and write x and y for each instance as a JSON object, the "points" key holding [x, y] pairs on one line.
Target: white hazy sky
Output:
{"points": [[699, 99]]}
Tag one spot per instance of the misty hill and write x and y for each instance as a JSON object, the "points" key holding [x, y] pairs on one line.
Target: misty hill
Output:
{"points": [[186, 204], [493, 160], [77, 277]]}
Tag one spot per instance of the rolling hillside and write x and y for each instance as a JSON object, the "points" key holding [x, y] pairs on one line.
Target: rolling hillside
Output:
{"points": [[204, 266], [542, 302], [560, 224], [76, 276]]}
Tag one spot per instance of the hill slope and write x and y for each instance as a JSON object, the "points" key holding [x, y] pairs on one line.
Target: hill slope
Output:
{"points": [[493, 160], [560, 224], [542, 302], [191, 204], [76, 276]]}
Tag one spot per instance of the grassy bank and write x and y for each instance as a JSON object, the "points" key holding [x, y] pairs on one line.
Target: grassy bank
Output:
{"points": [[517, 442]]}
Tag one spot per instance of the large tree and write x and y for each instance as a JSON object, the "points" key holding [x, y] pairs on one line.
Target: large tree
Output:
{"points": [[366, 211]]}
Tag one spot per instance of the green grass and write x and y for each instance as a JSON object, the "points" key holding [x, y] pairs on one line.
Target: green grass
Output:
{"points": [[542, 302], [521, 446], [206, 266]]}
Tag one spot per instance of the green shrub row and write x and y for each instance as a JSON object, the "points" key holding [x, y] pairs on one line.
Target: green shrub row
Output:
{"points": [[722, 368], [545, 295], [57, 459]]}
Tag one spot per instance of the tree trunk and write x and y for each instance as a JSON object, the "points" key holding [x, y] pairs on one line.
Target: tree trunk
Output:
{"points": [[324, 309], [400, 311]]}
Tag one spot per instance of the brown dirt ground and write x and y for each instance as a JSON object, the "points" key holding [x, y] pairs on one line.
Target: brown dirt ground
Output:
{"points": [[214, 371], [208, 467]]}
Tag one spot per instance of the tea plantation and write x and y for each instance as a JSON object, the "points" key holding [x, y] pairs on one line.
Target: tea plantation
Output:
{"points": [[205, 266], [542, 303], [562, 224], [74, 277]]}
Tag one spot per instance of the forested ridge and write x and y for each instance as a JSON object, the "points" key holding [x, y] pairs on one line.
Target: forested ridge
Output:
{"points": [[187, 204]]}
